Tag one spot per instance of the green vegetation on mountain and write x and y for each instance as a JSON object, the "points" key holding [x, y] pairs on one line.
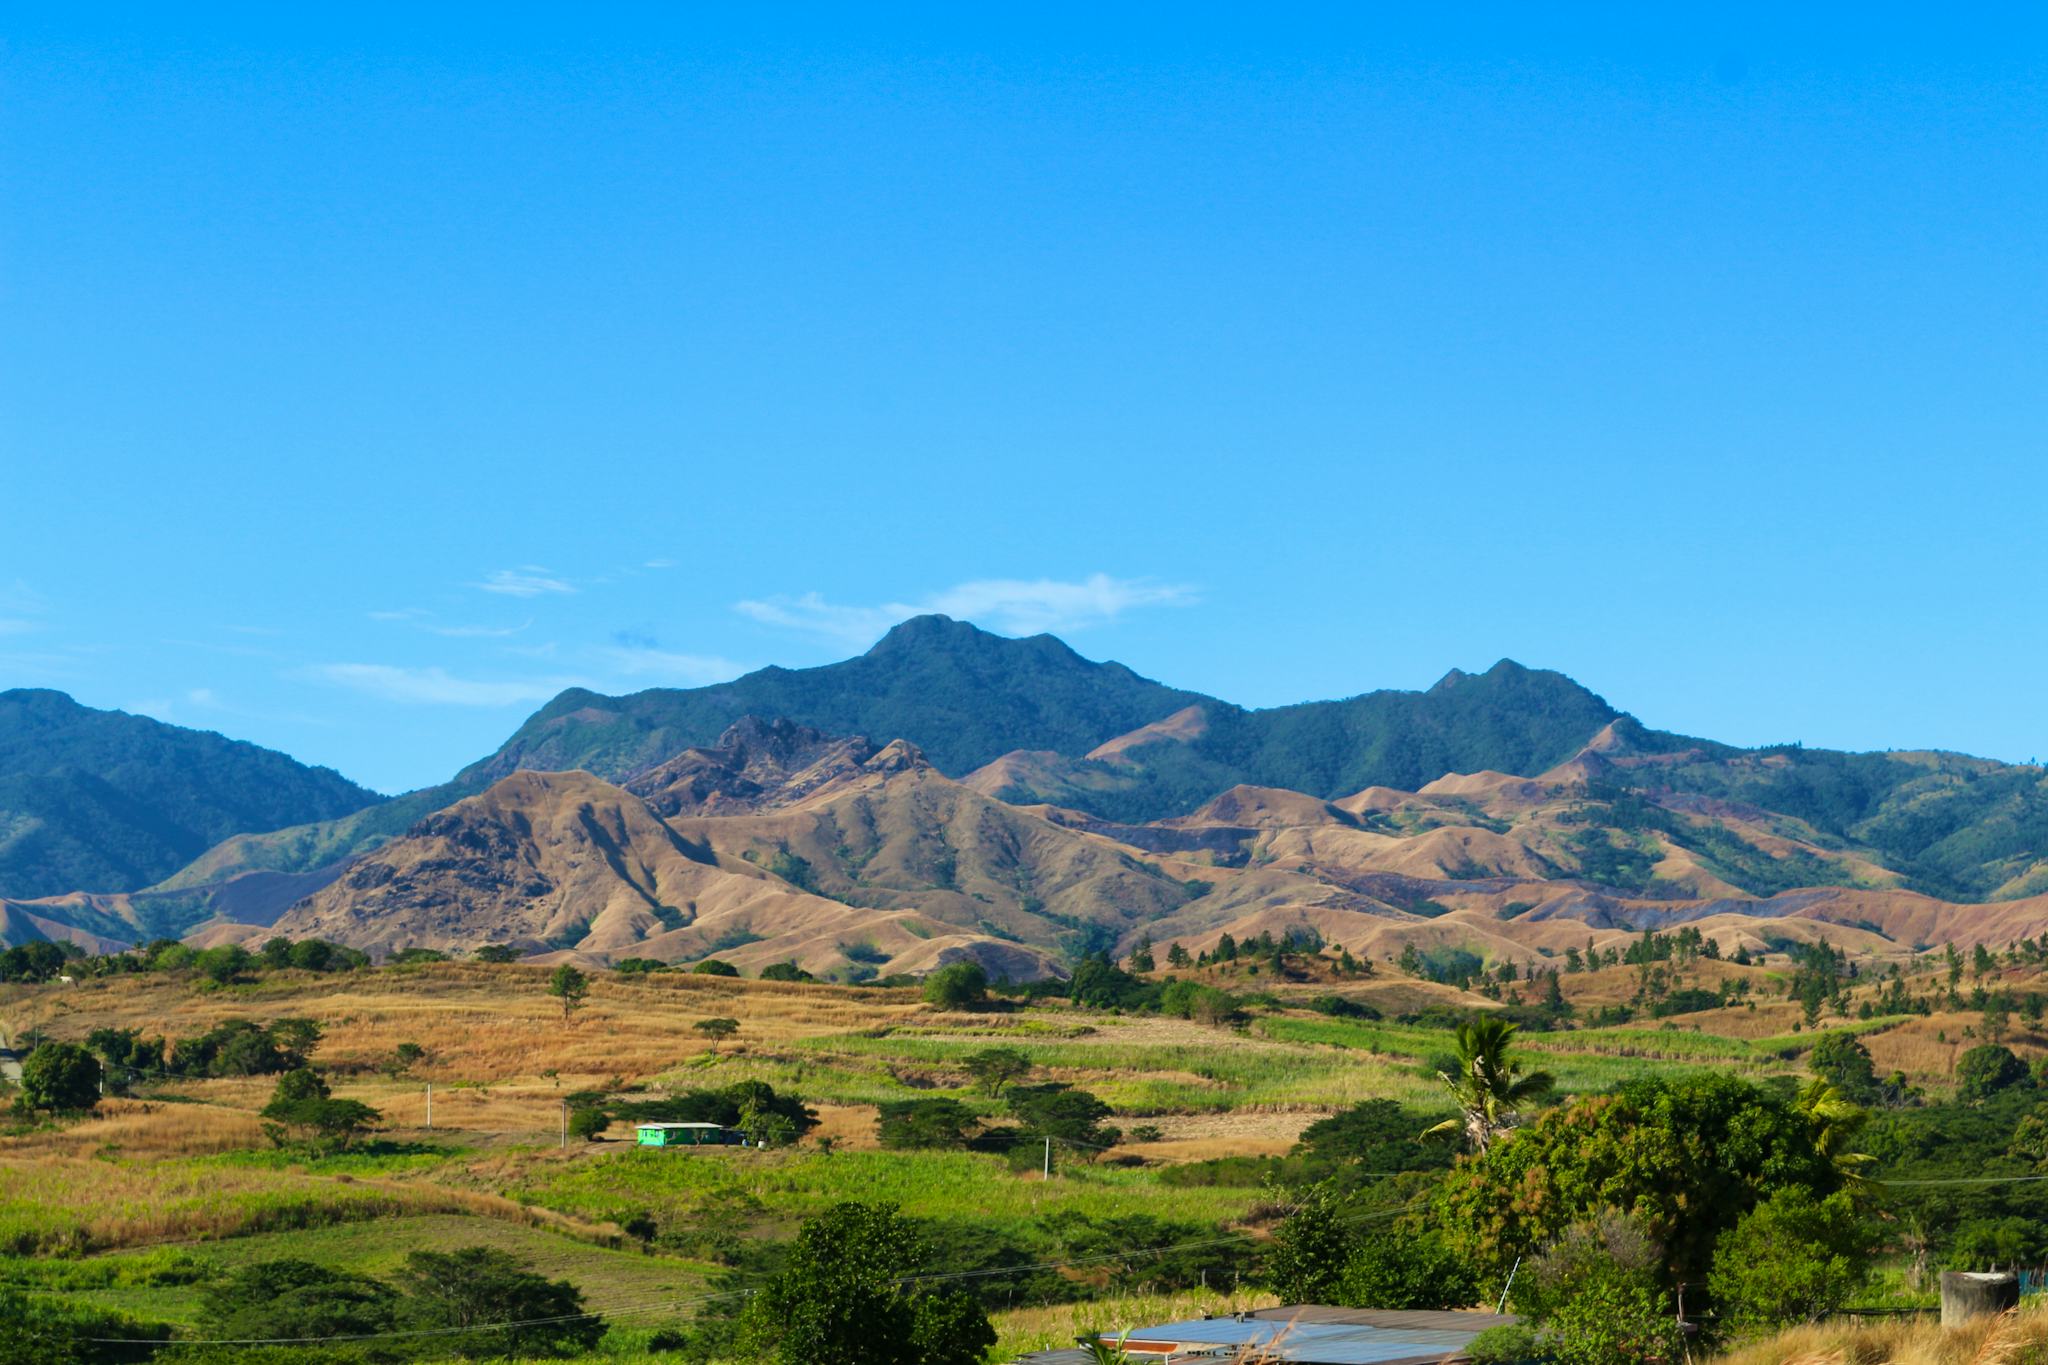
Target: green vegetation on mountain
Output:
{"points": [[1508, 719], [961, 694], [1024, 716], [105, 801]]}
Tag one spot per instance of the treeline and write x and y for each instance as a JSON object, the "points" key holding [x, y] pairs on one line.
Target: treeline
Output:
{"points": [[44, 961]]}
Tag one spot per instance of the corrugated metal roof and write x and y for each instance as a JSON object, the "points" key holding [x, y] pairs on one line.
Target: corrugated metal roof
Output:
{"points": [[1310, 1334]]}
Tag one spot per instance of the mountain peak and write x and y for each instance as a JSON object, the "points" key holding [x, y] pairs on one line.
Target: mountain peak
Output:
{"points": [[930, 630]]}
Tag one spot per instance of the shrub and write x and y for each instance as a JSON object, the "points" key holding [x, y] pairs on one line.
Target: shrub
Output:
{"points": [[712, 966], [60, 1077], [1404, 1267], [957, 986], [1309, 1250], [1791, 1259], [925, 1123], [842, 1297], [1842, 1061], [1985, 1070], [785, 971], [294, 1298], [587, 1122], [480, 1285], [237, 1047], [1509, 1344], [1338, 1007], [1997, 1243]]}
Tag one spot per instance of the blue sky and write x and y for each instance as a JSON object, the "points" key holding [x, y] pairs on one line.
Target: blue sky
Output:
{"points": [[365, 377]]}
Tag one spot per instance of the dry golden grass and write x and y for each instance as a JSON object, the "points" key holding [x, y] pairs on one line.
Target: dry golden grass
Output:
{"points": [[140, 1129], [1927, 1048], [478, 1023], [2013, 1339]]}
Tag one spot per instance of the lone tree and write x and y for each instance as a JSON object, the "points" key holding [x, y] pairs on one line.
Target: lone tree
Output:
{"points": [[1489, 1085], [569, 986], [717, 1030], [489, 1303], [60, 1076], [995, 1067], [843, 1295], [957, 986], [302, 1102]]}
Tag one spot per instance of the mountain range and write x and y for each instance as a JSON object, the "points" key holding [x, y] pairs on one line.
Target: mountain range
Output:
{"points": [[951, 791]]}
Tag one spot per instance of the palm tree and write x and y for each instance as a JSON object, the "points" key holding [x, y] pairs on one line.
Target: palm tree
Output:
{"points": [[1836, 1120], [1489, 1085]]}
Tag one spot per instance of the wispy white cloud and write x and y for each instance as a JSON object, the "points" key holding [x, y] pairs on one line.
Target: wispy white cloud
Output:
{"points": [[17, 597], [528, 580], [436, 686], [478, 632], [659, 564], [1016, 606], [402, 614], [17, 625]]}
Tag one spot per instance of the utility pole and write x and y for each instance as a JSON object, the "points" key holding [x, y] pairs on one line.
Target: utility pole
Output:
{"points": [[565, 1125], [1048, 1160], [430, 1104]]}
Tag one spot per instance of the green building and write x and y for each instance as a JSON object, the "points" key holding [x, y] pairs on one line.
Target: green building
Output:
{"points": [[682, 1135]]}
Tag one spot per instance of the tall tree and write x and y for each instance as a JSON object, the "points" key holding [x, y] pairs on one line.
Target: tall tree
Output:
{"points": [[570, 986], [1488, 1083]]}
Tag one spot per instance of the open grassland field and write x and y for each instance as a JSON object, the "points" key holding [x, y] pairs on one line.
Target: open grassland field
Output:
{"points": [[141, 1205]]}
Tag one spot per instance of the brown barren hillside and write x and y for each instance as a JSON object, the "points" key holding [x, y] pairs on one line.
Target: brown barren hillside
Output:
{"points": [[566, 861]]}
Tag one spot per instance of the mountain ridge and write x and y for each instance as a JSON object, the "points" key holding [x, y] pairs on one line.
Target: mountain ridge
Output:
{"points": [[105, 801]]}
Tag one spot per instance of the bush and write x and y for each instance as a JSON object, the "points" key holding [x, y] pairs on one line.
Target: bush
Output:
{"points": [[38, 1331], [237, 1047], [1338, 1007], [294, 1298], [912, 1124], [957, 986], [1984, 1071], [1510, 1344], [1997, 1244], [1842, 1061], [1791, 1259], [842, 1297], [784, 971], [61, 1077], [1309, 1250], [712, 966], [1402, 1267], [480, 1285], [587, 1122], [1616, 1317]]}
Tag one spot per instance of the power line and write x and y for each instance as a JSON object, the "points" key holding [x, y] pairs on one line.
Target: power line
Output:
{"points": [[942, 1277]]}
